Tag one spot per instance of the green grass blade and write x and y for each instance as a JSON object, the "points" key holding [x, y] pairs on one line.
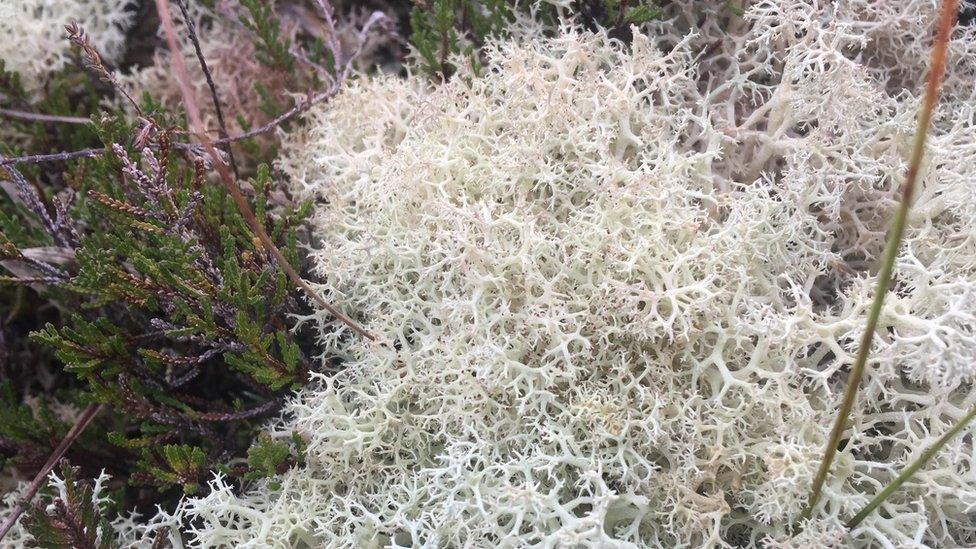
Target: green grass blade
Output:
{"points": [[922, 459], [936, 69]]}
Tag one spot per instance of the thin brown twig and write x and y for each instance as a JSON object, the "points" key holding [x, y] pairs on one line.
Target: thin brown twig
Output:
{"points": [[196, 125], [37, 117], [301, 106], [53, 157], [83, 420], [192, 33]]}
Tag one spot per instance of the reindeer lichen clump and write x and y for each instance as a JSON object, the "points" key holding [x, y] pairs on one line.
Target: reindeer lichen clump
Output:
{"points": [[34, 45]]}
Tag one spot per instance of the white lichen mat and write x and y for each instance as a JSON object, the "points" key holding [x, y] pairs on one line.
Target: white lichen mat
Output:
{"points": [[32, 35], [620, 289]]}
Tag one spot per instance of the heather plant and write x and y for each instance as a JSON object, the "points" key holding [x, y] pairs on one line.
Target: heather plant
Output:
{"points": [[444, 29], [444, 33], [75, 518], [179, 319]]}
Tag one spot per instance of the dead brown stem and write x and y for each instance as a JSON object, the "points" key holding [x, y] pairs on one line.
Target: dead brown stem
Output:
{"points": [[83, 420], [37, 117], [299, 107], [196, 126], [192, 33], [53, 157]]}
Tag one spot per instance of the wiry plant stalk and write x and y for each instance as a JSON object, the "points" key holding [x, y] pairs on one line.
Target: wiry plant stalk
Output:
{"points": [[39, 117], [214, 96], [947, 17], [196, 126], [83, 420], [912, 468], [53, 157], [300, 106]]}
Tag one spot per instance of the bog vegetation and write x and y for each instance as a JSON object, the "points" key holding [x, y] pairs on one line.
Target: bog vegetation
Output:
{"points": [[480, 272]]}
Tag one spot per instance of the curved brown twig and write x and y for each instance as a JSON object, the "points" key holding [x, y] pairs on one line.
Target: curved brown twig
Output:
{"points": [[83, 420], [196, 127]]}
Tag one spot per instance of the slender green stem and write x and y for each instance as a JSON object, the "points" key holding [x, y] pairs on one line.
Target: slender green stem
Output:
{"points": [[936, 70], [922, 459]]}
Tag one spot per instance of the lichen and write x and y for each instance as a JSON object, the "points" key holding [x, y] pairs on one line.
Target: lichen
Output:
{"points": [[34, 42]]}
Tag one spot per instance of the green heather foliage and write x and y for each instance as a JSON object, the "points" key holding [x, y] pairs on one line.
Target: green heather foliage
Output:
{"points": [[442, 31], [27, 433], [442, 28], [72, 519], [272, 48], [178, 317], [269, 458], [130, 279], [176, 464], [634, 13]]}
